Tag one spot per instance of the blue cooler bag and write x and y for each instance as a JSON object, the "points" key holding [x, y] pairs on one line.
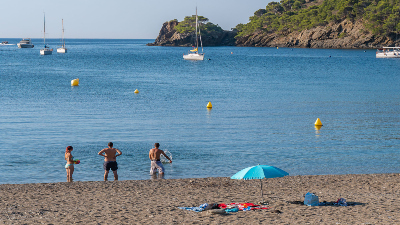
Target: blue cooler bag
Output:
{"points": [[311, 200]]}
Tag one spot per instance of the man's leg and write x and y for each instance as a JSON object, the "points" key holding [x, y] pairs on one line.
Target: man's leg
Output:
{"points": [[105, 175], [115, 175]]}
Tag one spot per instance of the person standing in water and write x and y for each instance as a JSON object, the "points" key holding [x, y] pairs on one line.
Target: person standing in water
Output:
{"points": [[154, 156], [69, 167], [110, 160]]}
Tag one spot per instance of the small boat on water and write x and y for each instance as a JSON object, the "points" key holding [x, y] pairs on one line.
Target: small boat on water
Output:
{"points": [[5, 43], [63, 49], [194, 53], [388, 52], [46, 50], [25, 43]]}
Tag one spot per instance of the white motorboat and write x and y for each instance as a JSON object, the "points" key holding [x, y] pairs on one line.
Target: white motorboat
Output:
{"points": [[25, 43], [388, 52], [46, 50], [194, 53], [63, 49], [5, 43]]}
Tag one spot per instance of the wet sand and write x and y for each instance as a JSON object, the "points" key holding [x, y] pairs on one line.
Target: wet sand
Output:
{"points": [[373, 199]]}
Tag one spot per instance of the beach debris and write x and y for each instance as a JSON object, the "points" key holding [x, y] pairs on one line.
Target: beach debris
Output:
{"points": [[75, 82], [311, 199], [263, 203], [276, 211]]}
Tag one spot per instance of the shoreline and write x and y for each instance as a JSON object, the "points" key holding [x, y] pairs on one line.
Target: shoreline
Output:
{"points": [[373, 199]]}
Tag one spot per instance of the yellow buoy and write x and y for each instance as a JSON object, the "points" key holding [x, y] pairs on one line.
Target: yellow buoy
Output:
{"points": [[136, 91], [318, 122], [277, 47], [75, 82], [209, 105]]}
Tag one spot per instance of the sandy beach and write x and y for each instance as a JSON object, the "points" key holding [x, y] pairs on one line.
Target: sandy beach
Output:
{"points": [[372, 199]]}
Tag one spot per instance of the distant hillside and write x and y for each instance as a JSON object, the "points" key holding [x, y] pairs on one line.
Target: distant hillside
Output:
{"points": [[323, 24], [174, 33]]}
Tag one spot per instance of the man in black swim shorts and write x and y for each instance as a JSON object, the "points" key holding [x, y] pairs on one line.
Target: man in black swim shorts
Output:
{"points": [[110, 165], [110, 160]]}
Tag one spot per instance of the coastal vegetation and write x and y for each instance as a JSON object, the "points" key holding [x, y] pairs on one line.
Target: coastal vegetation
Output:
{"points": [[380, 17], [188, 25]]}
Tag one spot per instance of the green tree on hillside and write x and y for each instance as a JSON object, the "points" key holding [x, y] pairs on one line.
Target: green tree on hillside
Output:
{"points": [[188, 25]]}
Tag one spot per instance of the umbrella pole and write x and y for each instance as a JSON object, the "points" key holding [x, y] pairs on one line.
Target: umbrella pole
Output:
{"points": [[262, 196]]}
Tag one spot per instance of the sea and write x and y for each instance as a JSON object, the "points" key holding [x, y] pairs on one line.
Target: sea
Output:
{"points": [[265, 101]]}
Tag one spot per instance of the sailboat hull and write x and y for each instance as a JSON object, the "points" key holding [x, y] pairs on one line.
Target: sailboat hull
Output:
{"points": [[193, 56], [46, 51], [61, 50]]}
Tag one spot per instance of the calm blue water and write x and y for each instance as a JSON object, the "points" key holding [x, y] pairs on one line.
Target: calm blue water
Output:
{"points": [[265, 102]]}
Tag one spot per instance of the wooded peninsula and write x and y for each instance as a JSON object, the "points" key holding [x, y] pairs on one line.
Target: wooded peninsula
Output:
{"points": [[298, 23]]}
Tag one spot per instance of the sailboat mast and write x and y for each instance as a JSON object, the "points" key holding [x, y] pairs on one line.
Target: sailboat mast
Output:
{"points": [[197, 41], [44, 28], [62, 23]]}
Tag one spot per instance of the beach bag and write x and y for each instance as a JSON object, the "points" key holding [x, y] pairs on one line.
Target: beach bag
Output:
{"points": [[311, 199]]}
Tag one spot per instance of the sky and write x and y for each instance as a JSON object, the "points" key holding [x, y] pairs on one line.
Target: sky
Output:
{"points": [[115, 19]]}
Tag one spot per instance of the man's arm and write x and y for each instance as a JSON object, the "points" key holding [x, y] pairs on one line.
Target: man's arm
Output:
{"points": [[101, 152], [170, 161], [119, 153]]}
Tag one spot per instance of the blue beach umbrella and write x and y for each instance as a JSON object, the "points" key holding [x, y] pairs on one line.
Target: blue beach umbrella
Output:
{"points": [[259, 172]]}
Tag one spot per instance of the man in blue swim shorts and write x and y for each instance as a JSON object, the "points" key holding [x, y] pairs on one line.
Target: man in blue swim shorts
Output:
{"points": [[154, 156], [110, 160]]}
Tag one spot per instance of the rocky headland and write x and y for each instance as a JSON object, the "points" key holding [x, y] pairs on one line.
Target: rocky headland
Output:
{"points": [[169, 36]]}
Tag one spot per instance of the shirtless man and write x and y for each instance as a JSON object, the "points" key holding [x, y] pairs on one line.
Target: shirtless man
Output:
{"points": [[154, 156], [110, 160]]}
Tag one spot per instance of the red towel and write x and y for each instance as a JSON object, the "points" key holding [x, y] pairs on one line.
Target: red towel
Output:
{"points": [[241, 206]]}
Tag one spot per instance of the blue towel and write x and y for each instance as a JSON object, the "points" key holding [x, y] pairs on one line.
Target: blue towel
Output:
{"points": [[196, 209]]}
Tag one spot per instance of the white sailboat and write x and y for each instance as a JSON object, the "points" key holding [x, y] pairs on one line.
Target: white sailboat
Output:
{"points": [[46, 50], [194, 53], [62, 49]]}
